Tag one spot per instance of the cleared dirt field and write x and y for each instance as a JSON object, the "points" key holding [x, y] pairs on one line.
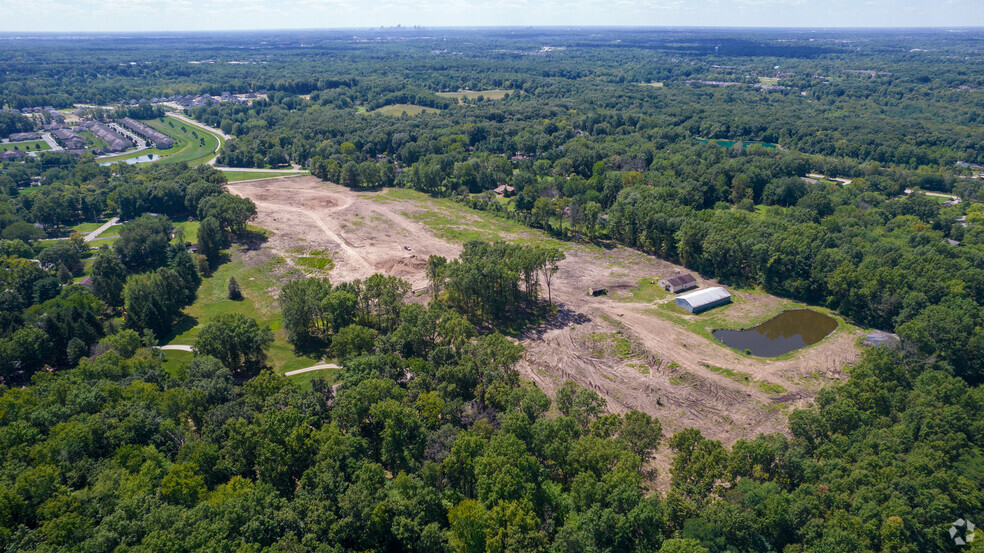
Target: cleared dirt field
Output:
{"points": [[633, 347]]}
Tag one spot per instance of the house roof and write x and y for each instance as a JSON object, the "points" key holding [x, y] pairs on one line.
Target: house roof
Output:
{"points": [[705, 296]]}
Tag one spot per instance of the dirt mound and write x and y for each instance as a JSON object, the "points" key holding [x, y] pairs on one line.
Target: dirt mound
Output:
{"points": [[411, 265]]}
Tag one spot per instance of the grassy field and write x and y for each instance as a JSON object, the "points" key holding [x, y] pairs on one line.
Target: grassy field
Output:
{"points": [[457, 223], [654, 84], [646, 291], [175, 359], [304, 379], [255, 282], [86, 228], [190, 230], [188, 145], [236, 176], [92, 141], [29, 146], [105, 239], [768, 80], [495, 94], [396, 110]]}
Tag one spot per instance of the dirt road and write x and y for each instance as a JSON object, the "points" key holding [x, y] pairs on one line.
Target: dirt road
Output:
{"points": [[618, 347]]}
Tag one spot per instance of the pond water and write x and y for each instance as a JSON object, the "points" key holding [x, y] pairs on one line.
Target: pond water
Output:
{"points": [[141, 159], [786, 332]]}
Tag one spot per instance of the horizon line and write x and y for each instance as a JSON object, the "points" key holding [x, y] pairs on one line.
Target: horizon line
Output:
{"points": [[400, 27]]}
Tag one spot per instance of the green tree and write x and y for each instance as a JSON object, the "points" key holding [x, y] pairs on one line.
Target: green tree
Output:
{"points": [[641, 433], [235, 340], [143, 242], [353, 340], [676, 545], [211, 240], [234, 293], [108, 277]]}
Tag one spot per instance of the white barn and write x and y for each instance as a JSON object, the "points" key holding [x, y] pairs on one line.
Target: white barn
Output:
{"points": [[705, 299]]}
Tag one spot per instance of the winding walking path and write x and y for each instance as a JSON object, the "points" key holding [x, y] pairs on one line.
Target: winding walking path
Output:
{"points": [[174, 347], [321, 367], [314, 368]]}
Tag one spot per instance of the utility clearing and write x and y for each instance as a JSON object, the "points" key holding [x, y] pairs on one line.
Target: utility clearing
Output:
{"points": [[632, 345]]}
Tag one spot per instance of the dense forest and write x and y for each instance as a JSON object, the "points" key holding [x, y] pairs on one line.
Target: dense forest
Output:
{"points": [[428, 440]]}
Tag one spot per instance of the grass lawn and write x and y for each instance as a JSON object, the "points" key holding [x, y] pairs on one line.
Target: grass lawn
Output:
{"points": [[458, 223], [236, 176], [304, 379], [29, 146], [85, 228], [396, 110], [647, 291], [190, 230], [768, 80], [254, 281], [174, 360], [654, 84], [92, 141], [495, 94], [105, 239], [188, 145]]}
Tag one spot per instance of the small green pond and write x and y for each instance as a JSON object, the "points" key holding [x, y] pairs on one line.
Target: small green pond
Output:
{"points": [[786, 332]]}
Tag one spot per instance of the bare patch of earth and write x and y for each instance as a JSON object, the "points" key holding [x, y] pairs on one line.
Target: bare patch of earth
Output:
{"points": [[634, 358]]}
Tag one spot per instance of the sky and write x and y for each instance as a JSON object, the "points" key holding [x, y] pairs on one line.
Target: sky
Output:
{"points": [[100, 16]]}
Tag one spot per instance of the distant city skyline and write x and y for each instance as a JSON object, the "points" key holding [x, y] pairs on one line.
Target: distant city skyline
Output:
{"points": [[92, 16]]}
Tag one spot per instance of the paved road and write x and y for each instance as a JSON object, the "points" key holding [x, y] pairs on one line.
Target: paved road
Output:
{"points": [[51, 142], [94, 234], [175, 347], [254, 170], [843, 182], [314, 368], [937, 194], [191, 121]]}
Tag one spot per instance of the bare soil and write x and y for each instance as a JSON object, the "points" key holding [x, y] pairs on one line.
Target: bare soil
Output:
{"points": [[634, 358]]}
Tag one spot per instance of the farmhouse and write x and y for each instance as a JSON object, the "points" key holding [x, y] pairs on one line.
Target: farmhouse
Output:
{"points": [[678, 283], [702, 300], [505, 191], [160, 140]]}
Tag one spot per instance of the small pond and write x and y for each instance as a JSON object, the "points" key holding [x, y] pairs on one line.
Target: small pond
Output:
{"points": [[786, 332], [141, 159]]}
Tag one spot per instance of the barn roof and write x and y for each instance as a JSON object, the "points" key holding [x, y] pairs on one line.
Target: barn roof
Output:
{"points": [[705, 296], [683, 278]]}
